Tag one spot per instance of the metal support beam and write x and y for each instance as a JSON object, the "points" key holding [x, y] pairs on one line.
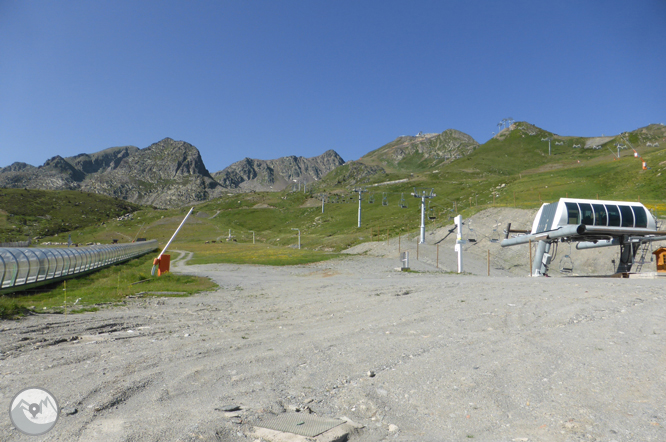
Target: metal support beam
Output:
{"points": [[541, 259]]}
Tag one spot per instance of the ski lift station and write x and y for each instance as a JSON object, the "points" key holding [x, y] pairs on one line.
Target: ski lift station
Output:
{"points": [[590, 224]]}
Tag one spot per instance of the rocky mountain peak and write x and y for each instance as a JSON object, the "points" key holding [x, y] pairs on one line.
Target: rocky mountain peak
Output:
{"points": [[421, 150], [17, 167], [169, 157], [100, 161], [266, 175]]}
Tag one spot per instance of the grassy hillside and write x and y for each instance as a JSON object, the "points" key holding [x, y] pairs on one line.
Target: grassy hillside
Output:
{"points": [[421, 152], [512, 168], [33, 213]]}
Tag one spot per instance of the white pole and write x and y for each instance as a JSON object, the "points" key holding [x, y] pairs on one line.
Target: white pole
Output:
{"points": [[359, 209], [322, 204], [459, 242], [175, 233], [422, 238]]}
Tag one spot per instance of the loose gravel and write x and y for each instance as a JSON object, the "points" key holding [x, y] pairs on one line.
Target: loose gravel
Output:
{"points": [[423, 356]]}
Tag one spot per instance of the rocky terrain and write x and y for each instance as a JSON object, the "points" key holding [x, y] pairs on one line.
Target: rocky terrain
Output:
{"points": [[168, 173], [274, 175], [165, 174]]}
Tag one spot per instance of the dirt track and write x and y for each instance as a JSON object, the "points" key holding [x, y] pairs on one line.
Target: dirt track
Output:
{"points": [[455, 356]]}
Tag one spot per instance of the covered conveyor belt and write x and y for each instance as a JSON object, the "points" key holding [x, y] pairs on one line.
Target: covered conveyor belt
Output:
{"points": [[25, 267]]}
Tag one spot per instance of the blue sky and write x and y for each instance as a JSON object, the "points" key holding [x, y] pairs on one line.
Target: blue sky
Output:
{"points": [[264, 79]]}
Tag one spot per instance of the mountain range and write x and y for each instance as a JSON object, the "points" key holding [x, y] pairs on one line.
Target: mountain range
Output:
{"points": [[172, 173], [165, 174]]}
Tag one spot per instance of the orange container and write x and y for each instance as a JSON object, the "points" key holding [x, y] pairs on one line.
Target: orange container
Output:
{"points": [[165, 262]]}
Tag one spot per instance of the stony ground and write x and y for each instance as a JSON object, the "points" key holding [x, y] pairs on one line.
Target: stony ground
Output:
{"points": [[454, 357]]}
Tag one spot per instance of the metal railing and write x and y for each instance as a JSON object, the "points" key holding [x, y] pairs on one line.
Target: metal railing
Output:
{"points": [[23, 267]]}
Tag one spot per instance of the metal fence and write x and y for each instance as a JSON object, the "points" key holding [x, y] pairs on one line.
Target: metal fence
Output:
{"points": [[24, 267], [16, 244]]}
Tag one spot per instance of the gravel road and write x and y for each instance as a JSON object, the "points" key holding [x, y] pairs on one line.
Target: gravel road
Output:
{"points": [[454, 357]]}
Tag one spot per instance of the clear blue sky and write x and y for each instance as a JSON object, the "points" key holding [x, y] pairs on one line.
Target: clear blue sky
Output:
{"points": [[264, 79]]}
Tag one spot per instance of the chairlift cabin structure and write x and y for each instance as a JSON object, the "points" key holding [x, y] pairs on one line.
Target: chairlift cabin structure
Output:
{"points": [[471, 235], [591, 224], [566, 262], [431, 212], [403, 203]]}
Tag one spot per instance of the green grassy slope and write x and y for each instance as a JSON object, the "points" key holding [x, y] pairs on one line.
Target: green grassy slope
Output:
{"points": [[31, 213], [514, 163]]}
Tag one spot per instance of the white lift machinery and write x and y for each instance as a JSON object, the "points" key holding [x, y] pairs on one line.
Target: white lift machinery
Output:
{"points": [[591, 224]]}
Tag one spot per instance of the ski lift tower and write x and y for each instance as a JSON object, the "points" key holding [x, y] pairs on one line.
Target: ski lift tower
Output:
{"points": [[360, 191], [423, 193]]}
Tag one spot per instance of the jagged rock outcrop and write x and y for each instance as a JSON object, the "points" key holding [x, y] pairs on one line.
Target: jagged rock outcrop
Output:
{"points": [[17, 167], [106, 159], [168, 173], [165, 174], [266, 175]]}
